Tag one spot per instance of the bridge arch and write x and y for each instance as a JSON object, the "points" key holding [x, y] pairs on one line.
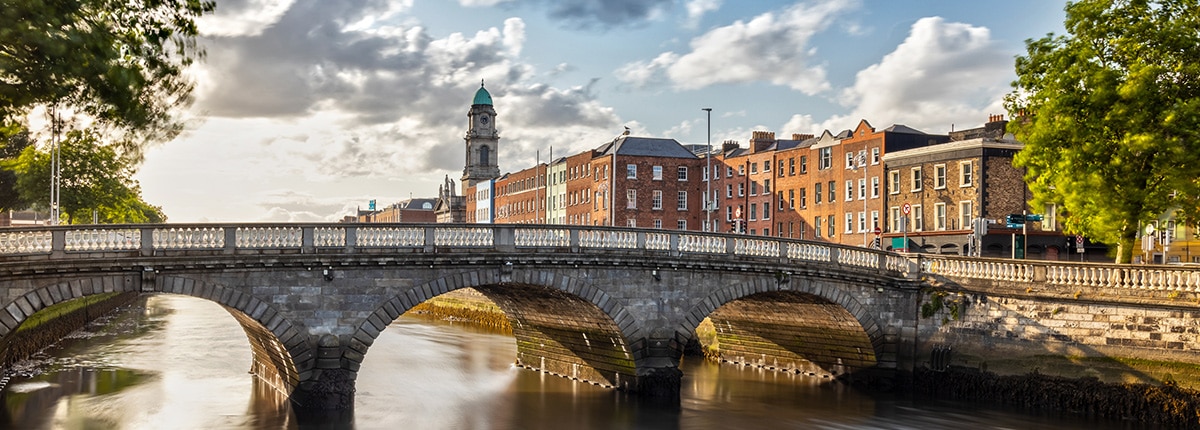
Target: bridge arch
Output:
{"points": [[39, 298], [813, 326], [592, 345], [274, 341]]}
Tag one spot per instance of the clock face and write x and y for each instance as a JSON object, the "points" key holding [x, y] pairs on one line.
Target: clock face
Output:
{"points": [[483, 119]]}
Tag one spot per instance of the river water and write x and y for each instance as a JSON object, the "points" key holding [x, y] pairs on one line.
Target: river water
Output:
{"points": [[174, 362]]}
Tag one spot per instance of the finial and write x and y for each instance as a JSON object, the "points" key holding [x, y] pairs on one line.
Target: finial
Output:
{"points": [[481, 83]]}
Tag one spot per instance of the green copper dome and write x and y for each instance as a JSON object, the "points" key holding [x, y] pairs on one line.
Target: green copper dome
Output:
{"points": [[482, 97]]}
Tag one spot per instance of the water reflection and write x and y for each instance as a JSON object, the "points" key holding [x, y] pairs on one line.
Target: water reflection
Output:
{"points": [[181, 363]]}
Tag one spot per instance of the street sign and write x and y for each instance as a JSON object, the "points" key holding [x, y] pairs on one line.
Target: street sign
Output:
{"points": [[1014, 219], [1079, 244], [907, 208], [878, 231]]}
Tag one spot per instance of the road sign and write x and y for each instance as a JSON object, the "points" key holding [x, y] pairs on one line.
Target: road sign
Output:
{"points": [[1014, 219], [878, 231], [907, 208], [1079, 244]]}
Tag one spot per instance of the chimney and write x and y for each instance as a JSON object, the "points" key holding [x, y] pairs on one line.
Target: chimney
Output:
{"points": [[728, 145], [800, 136], [760, 140]]}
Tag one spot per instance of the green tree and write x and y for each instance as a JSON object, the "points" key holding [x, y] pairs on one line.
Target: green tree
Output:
{"points": [[1110, 116], [118, 62], [94, 177], [13, 140]]}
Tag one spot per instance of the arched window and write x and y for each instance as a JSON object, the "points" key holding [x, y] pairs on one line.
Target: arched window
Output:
{"points": [[483, 155]]}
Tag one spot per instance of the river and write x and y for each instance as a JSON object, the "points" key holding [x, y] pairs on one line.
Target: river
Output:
{"points": [[174, 362]]}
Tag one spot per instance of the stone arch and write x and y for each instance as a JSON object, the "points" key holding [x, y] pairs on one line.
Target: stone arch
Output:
{"points": [[818, 288], [43, 297], [623, 321], [274, 341]]}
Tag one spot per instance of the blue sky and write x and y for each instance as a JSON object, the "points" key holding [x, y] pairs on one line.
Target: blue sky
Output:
{"points": [[307, 109]]}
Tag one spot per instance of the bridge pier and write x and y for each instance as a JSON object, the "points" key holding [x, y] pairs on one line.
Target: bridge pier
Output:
{"points": [[330, 387], [658, 374]]}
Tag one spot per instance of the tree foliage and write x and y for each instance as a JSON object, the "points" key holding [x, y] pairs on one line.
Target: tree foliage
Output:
{"points": [[1110, 116], [118, 62], [13, 140], [94, 177]]}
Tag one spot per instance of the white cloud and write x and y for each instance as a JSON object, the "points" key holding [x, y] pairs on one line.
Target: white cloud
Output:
{"points": [[697, 8], [944, 73], [242, 17], [772, 47]]}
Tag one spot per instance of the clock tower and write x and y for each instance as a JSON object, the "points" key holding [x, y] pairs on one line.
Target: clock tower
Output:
{"points": [[482, 141]]}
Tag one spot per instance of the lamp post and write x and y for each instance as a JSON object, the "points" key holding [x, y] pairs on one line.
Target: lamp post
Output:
{"points": [[708, 203], [55, 168]]}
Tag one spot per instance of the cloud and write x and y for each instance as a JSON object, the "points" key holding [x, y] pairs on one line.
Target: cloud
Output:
{"points": [[696, 10], [772, 47], [943, 73]]}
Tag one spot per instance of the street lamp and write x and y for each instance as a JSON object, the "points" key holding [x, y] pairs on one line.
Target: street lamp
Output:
{"points": [[708, 203]]}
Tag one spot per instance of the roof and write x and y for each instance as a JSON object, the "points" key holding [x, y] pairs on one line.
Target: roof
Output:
{"points": [[646, 147], [786, 144], [482, 97], [901, 128]]}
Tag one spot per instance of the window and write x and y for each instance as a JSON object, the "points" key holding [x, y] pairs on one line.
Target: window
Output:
{"points": [[862, 189], [849, 222], [874, 187], [728, 171], [826, 158], [631, 199], [741, 190], [894, 219], [780, 169], [754, 188], [894, 182], [939, 216], [817, 226], [728, 191], [766, 211], [728, 213], [916, 179], [832, 193], [862, 222], [965, 174], [631, 170], [766, 166], [965, 214], [658, 223], [681, 201], [791, 166], [766, 186], [874, 156], [874, 219], [753, 168], [817, 193], [918, 222], [1049, 220], [656, 200], [939, 176], [782, 201], [831, 228], [849, 190], [803, 198], [705, 175], [682, 173], [753, 211], [656, 173], [849, 160], [681, 224], [791, 200], [803, 164], [742, 170]]}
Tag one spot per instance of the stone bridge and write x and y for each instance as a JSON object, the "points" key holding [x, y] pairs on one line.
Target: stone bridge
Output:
{"points": [[611, 306]]}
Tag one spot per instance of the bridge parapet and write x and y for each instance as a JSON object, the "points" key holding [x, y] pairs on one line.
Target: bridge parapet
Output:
{"points": [[1096, 275], [83, 242]]}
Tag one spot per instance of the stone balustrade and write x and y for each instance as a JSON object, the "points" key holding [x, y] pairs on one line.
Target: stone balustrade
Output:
{"points": [[1093, 275], [65, 242]]}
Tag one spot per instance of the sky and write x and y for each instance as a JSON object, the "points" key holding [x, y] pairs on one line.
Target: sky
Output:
{"points": [[307, 109]]}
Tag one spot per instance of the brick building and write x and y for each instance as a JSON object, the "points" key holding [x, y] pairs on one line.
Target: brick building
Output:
{"points": [[411, 210]]}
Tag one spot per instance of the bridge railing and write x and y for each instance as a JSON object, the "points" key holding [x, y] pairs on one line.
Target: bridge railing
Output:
{"points": [[1092, 275], [89, 241]]}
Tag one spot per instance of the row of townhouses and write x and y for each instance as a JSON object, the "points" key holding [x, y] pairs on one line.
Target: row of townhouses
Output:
{"points": [[896, 189]]}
